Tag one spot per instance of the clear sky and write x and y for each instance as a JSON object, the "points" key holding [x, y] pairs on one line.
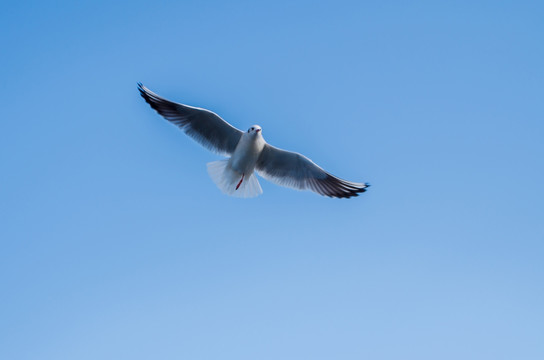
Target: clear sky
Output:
{"points": [[115, 243]]}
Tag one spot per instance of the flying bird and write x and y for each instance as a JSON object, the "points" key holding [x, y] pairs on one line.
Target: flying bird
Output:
{"points": [[248, 152]]}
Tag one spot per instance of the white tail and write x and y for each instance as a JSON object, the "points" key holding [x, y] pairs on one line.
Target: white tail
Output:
{"points": [[227, 180]]}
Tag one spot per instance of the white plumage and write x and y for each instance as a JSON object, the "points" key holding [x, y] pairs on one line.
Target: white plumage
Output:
{"points": [[227, 179], [248, 153]]}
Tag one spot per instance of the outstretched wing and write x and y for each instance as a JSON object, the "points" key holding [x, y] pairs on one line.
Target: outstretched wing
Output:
{"points": [[202, 125], [294, 170]]}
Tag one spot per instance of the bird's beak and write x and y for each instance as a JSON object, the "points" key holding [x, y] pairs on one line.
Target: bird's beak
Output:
{"points": [[257, 130]]}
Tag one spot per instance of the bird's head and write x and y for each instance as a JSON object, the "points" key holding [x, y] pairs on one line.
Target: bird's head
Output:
{"points": [[255, 130]]}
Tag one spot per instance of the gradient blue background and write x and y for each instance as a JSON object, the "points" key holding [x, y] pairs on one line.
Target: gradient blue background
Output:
{"points": [[115, 244]]}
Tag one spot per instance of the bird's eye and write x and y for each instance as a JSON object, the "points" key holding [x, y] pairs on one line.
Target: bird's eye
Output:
{"points": [[252, 128]]}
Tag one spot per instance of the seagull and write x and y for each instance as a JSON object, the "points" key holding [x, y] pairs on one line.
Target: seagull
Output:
{"points": [[248, 152]]}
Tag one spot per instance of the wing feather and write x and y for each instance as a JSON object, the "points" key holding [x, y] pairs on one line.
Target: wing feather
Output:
{"points": [[204, 126], [294, 170]]}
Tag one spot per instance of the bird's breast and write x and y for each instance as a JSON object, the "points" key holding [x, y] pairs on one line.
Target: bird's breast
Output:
{"points": [[246, 154]]}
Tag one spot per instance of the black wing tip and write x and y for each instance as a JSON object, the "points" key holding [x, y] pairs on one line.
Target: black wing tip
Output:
{"points": [[341, 189], [151, 98], [145, 92]]}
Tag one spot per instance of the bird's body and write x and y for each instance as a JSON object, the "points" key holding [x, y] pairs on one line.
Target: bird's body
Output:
{"points": [[235, 176], [249, 152]]}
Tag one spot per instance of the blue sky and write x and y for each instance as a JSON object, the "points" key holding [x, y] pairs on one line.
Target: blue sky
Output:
{"points": [[115, 244]]}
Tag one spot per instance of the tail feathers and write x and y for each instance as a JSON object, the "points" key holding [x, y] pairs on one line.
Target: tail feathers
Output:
{"points": [[227, 180]]}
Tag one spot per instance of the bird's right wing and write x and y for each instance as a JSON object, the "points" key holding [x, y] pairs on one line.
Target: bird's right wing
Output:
{"points": [[294, 170], [202, 125]]}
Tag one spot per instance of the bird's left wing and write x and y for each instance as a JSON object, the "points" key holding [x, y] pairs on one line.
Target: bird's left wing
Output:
{"points": [[202, 125], [294, 170]]}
